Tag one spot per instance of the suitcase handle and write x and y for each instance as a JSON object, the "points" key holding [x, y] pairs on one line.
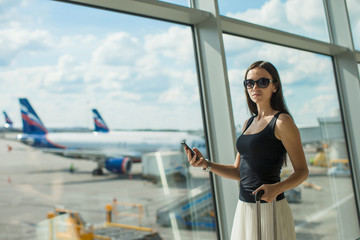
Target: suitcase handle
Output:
{"points": [[258, 195]]}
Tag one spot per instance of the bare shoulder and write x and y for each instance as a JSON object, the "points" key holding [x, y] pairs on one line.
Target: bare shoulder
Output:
{"points": [[285, 125], [285, 120]]}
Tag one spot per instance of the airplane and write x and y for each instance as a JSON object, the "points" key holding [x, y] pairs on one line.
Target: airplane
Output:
{"points": [[8, 122], [101, 126], [113, 150]]}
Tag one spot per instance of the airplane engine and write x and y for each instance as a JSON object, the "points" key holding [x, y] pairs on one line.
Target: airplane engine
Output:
{"points": [[118, 165]]}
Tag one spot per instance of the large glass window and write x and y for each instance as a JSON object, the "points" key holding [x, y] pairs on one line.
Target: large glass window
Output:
{"points": [[353, 8], [305, 18], [139, 74], [323, 206]]}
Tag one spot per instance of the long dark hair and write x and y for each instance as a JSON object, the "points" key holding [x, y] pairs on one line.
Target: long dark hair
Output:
{"points": [[277, 101]]}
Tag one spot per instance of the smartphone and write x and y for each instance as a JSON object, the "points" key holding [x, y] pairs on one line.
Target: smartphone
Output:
{"points": [[192, 152]]}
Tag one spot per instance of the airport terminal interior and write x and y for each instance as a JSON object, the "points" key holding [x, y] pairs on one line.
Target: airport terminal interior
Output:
{"points": [[97, 97]]}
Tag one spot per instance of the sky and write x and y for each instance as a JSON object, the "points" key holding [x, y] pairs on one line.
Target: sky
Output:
{"points": [[141, 73]]}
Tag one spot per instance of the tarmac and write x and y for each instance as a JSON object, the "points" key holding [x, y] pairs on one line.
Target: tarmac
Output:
{"points": [[33, 183]]}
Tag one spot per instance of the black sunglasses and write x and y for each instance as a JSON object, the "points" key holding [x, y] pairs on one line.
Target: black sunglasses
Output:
{"points": [[261, 83]]}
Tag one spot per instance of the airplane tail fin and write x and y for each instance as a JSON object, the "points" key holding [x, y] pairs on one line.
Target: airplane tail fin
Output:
{"points": [[8, 122], [31, 121], [99, 123]]}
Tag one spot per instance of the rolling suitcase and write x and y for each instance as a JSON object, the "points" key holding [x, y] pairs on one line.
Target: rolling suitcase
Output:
{"points": [[258, 213]]}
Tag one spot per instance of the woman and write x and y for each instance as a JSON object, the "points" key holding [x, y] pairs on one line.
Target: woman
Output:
{"points": [[266, 138]]}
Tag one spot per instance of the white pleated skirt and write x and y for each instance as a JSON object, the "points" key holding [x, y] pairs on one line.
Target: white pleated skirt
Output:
{"points": [[245, 221]]}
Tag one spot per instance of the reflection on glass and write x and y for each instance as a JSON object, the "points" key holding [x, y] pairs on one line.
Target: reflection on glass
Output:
{"points": [[323, 206], [353, 7], [79, 172], [305, 18]]}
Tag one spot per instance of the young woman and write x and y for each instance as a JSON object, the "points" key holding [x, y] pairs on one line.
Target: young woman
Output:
{"points": [[266, 138]]}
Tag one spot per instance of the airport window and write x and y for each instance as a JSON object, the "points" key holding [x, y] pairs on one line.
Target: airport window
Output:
{"points": [[324, 204], [120, 163], [353, 8], [305, 18]]}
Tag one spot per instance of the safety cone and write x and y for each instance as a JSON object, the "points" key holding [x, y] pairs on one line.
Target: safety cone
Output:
{"points": [[9, 179]]}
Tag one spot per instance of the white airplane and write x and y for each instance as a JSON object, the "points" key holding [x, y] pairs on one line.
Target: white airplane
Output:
{"points": [[113, 150]]}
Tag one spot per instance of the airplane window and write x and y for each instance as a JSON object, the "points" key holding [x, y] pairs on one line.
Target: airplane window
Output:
{"points": [[309, 89], [96, 106]]}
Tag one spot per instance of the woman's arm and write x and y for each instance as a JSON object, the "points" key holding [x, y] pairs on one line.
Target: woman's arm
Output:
{"points": [[288, 133], [227, 171]]}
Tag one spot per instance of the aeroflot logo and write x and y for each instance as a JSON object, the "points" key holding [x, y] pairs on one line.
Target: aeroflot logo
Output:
{"points": [[8, 120], [30, 118], [99, 122]]}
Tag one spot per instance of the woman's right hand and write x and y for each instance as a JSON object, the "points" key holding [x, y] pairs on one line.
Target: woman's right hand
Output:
{"points": [[197, 160]]}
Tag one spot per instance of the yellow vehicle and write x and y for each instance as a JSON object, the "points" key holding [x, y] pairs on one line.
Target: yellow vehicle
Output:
{"points": [[65, 224]]}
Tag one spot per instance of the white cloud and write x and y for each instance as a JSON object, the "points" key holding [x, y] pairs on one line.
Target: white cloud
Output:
{"points": [[236, 44], [236, 75], [269, 14], [288, 93], [173, 96], [319, 106], [175, 44], [15, 40], [117, 48], [304, 17], [308, 15], [73, 41], [148, 66], [85, 68]]}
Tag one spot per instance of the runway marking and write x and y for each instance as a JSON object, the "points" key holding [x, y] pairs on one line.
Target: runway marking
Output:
{"points": [[322, 213]]}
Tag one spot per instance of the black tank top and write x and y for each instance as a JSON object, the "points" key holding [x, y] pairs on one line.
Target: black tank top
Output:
{"points": [[262, 156]]}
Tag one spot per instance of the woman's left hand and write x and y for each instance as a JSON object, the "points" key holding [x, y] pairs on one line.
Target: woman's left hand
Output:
{"points": [[271, 191]]}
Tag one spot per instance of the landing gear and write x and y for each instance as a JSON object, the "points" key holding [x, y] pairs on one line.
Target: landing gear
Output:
{"points": [[100, 165], [98, 172]]}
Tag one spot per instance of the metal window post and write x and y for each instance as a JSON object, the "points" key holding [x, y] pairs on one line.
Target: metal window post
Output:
{"points": [[348, 84], [217, 109]]}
